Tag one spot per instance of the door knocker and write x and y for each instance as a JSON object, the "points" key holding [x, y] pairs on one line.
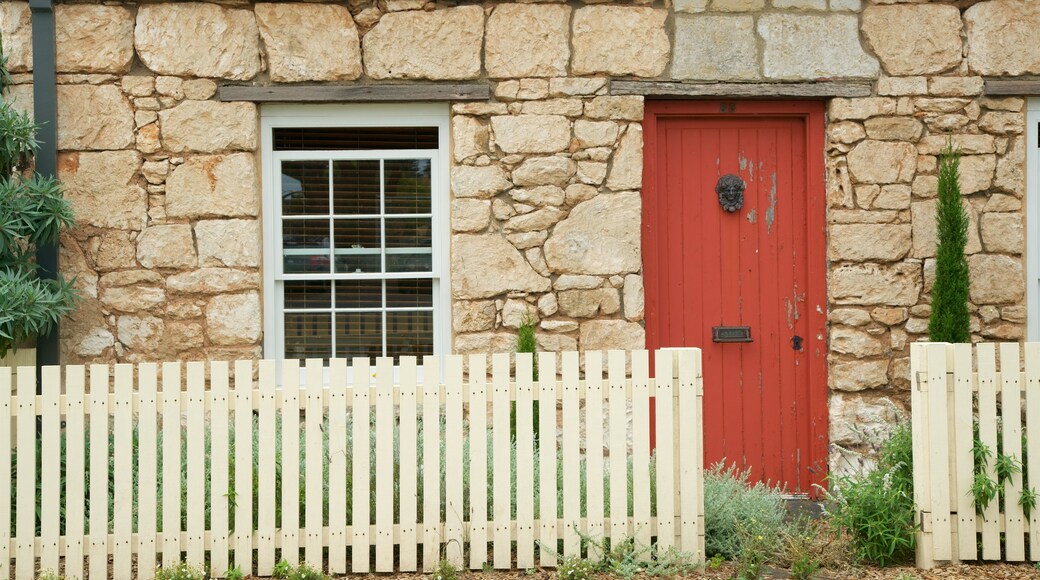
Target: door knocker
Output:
{"points": [[731, 192]]}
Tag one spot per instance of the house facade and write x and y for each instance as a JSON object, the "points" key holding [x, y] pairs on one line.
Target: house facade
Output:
{"points": [[410, 177]]}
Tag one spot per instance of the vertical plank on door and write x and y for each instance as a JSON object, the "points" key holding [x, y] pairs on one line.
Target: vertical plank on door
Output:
{"points": [[1011, 411], [338, 466], [594, 472], [453, 442], [243, 484], [265, 470], [361, 467], [987, 366], [1032, 443], [384, 464], [641, 446], [195, 442], [99, 472], [502, 475], [547, 510], [478, 473], [408, 561], [963, 434], [25, 524], [571, 456], [220, 423], [75, 471], [664, 453], [314, 490], [618, 445], [123, 457], [524, 461], [290, 524], [431, 461], [50, 468], [938, 450]]}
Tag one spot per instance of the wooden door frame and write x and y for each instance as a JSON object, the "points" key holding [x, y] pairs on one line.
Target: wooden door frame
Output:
{"points": [[816, 294]]}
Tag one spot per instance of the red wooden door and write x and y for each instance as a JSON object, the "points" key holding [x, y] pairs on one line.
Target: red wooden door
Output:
{"points": [[762, 266]]}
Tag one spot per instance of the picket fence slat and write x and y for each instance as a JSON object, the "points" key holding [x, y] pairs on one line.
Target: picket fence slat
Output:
{"points": [[1032, 389], [963, 429], [6, 445], [987, 365], [189, 432], [1011, 415], [938, 450]]}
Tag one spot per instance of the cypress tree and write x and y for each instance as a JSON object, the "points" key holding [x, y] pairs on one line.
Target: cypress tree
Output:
{"points": [[951, 319]]}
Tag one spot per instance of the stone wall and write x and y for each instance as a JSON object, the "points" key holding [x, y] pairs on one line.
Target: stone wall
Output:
{"points": [[546, 175]]}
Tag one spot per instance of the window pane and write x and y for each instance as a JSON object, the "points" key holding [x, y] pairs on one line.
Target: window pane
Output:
{"points": [[305, 246], [308, 294], [355, 187], [359, 293], [409, 334], [308, 335], [409, 293], [357, 245], [408, 241], [359, 334], [408, 186], [305, 187], [354, 138]]}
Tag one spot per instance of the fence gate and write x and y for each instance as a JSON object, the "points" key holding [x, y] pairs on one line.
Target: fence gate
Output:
{"points": [[969, 403], [366, 468]]}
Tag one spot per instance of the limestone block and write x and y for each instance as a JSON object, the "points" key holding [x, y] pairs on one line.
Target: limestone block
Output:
{"points": [[692, 6], [863, 108], [469, 137], [895, 196], [94, 117], [902, 86], [488, 265], [140, 332], [597, 237], [589, 303], [622, 107], [527, 240], [442, 44], [808, 47], [132, 298], [470, 215], [633, 297], [737, 5], [579, 192], [212, 281], [213, 185], [197, 39], [540, 195], [209, 127], [473, 315], [967, 144], [898, 284], [234, 319], [16, 35], [485, 342], [846, 132], [914, 39], [113, 250], [102, 188], [882, 162], [537, 220], [233, 243], [893, 128], [976, 173], [611, 334], [996, 279], [620, 40], [169, 246], [469, 181], [556, 171], [1011, 169], [20, 97], [849, 317], [627, 170], [528, 40], [955, 86], [855, 342], [1003, 232], [924, 228], [1002, 122], [565, 107], [531, 133], [856, 420], [571, 86], [92, 38], [591, 172], [595, 133], [715, 48], [862, 242], [1002, 37], [309, 42]]}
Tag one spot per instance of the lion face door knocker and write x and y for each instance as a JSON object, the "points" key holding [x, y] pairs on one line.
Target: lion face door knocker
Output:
{"points": [[731, 192]]}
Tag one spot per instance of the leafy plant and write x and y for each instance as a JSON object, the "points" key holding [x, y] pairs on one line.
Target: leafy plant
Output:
{"points": [[181, 571], [950, 319], [526, 342], [801, 550], [574, 568], [282, 569], [1027, 499], [735, 508], [445, 570], [626, 558], [234, 574], [33, 212], [877, 509], [756, 550]]}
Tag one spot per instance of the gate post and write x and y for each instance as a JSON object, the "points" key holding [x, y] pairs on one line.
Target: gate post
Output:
{"points": [[919, 433]]}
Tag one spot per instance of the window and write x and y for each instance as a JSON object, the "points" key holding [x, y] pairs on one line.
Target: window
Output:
{"points": [[355, 231]]}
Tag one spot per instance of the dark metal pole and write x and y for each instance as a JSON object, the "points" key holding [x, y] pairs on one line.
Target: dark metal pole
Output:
{"points": [[45, 110]]}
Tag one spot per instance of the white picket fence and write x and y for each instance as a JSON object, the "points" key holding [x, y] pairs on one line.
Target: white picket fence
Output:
{"points": [[958, 388], [406, 502]]}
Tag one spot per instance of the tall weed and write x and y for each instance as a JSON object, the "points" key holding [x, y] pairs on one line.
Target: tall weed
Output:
{"points": [[736, 509]]}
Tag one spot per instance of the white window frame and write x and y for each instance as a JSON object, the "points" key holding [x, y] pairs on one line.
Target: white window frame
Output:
{"points": [[1033, 219], [354, 115]]}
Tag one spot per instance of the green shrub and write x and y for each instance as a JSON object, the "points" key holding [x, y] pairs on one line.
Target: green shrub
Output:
{"points": [[800, 545], [234, 573], [736, 510], [877, 509], [445, 570], [574, 568], [950, 320], [181, 571]]}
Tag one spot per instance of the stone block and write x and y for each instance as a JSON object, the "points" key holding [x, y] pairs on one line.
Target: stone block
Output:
{"points": [[484, 266], [94, 117], [234, 319], [528, 40], [898, 284], [924, 229], [914, 39], [556, 171], [597, 237], [611, 335], [16, 35], [102, 188], [197, 39], [620, 40], [809, 47], [309, 42], [1003, 233], [470, 215], [715, 48], [92, 38], [626, 172], [439, 45], [169, 246], [484, 182], [531, 133], [1002, 37], [214, 186], [996, 279], [882, 162], [863, 242], [209, 127], [232, 243]]}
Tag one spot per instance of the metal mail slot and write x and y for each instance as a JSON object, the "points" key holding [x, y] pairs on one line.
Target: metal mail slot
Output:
{"points": [[731, 334]]}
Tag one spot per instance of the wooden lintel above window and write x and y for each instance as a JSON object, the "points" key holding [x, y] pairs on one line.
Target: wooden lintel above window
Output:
{"points": [[1019, 88], [675, 90], [356, 93]]}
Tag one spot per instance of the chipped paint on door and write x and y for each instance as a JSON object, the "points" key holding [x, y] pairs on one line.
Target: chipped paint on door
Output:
{"points": [[763, 266]]}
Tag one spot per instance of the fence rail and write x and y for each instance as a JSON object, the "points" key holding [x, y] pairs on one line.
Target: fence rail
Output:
{"points": [[968, 416], [398, 467]]}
